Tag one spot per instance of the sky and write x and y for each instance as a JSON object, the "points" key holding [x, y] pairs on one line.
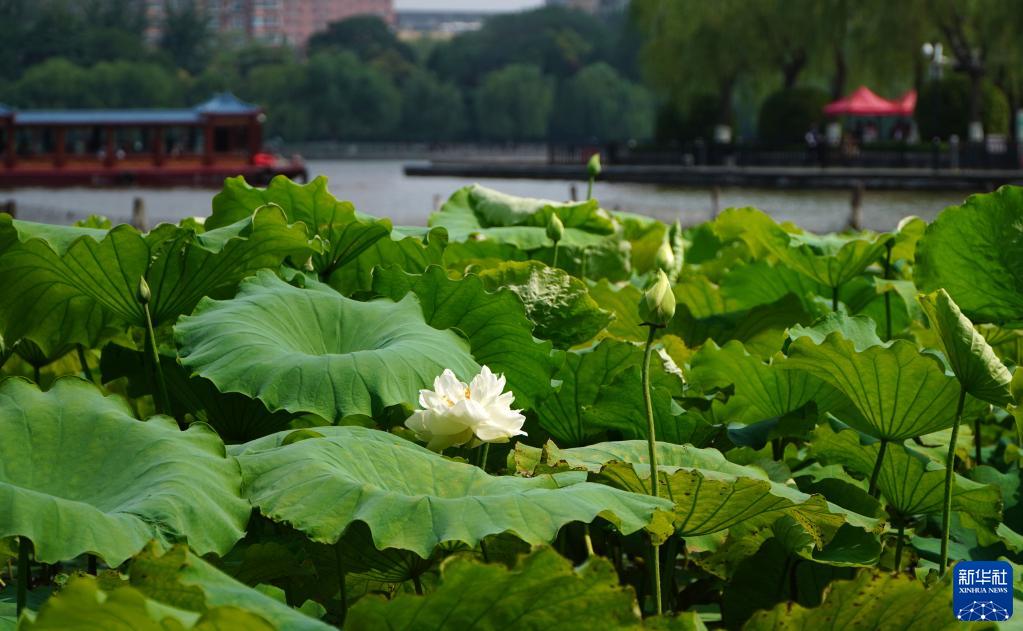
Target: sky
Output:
{"points": [[467, 5]]}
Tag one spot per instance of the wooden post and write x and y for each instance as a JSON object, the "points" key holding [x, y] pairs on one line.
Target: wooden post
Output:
{"points": [[138, 214], [573, 193], [715, 201], [11, 208], [856, 206]]}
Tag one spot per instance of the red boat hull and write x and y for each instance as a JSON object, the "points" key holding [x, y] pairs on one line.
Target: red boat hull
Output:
{"points": [[148, 176]]}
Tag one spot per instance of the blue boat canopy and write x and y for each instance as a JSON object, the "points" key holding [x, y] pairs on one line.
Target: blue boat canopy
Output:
{"points": [[222, 104]]}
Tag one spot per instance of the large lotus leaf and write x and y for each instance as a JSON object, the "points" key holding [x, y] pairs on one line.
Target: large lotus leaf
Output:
{"points": [[973, 360], [830, 259], [413, 499], [521, 221], [80, 474], [313, 350], [555, 301], [410, 253], [179, 578], [494, 322], [872, 600], [57, 276], [975, 252], [236, 417], [762, 390], [761, 283], [583, 374], [710, 493], [544, 592], [898, 391], [622, 302], [83, 606], [345, 234], [909, 480]]}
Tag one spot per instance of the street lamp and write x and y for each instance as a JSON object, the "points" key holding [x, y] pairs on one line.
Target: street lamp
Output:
{"points": [[933, 52]]}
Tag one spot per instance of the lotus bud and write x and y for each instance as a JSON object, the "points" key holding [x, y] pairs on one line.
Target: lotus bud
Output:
{"points": [[677, 242], [593, 166], [144, 295], [665, 260], [657, 306], [555, 229]]}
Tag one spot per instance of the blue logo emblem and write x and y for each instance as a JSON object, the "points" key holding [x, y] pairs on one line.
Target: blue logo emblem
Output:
{"points": [[982, 591]]}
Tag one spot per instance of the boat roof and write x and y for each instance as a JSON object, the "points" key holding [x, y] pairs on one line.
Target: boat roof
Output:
{"points": [[222, 104]]}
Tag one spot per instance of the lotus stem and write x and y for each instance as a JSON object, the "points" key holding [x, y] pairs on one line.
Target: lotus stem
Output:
{"points": [[554, 263], [24, 574], [834, 298], [652, 444], [976, 442], [91, 564], [588, 541], [35, 374], [589, 189], [85, 364], [872, 489], [163, 402], [341, 584], [946, 514], [485, 453], [898, 546], [888, 294], [418, 584]]}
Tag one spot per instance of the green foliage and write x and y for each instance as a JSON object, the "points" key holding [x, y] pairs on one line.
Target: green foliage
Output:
{"points": [[514, 103], [598, 104], [787, 115], [943, 108]]}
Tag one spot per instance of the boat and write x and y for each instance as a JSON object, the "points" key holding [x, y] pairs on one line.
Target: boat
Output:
{"points": [[197, 146]]}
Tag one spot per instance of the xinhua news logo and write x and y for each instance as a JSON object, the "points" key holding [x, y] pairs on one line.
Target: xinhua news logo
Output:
{"points": [[982, 591]]}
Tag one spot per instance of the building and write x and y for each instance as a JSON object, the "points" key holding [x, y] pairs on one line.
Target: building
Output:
{"points": [[593, 7], [290, 22], [415, 24]]}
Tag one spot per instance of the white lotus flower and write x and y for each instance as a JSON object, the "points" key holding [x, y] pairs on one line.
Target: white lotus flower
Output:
{"points": [[454, 412]]}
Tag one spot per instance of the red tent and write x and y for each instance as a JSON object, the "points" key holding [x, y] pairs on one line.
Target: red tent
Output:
{"points": [[907, 103], [863, 102]]}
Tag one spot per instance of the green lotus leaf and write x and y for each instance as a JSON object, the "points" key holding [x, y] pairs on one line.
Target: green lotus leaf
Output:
{"points": [[621, 301], [907, 234], [556, 302], [544, 592], [973, 360], [761, 283], [495, 324], [82, 605], [86, 279], [975, 252], [179, 578], [313, 350], [345, 234], [620, 406], [80, 474], [414, 499], [760, 329], [762, 390], [521, 221], [831, 260], [909, 480], [412, 254], [872, 600], [583, 374], [898, 391], [236, 417], [710, 493]]}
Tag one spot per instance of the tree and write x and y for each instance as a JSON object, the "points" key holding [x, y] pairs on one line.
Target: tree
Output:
{"points": [[599, 104], [186, 35], [367, 36], [430, 109], [514, 103], [346, 99], [56, 83]]}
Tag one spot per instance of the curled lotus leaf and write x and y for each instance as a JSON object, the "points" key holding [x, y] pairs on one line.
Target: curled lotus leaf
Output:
{"points": [[81, 475], [313, 350], [414, 499]]}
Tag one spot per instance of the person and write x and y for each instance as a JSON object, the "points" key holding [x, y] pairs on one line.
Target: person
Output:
{"points": [[812, 139]]}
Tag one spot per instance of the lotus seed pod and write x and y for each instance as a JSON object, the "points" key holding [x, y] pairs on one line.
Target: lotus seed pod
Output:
{"points": [[144, 295], [555, 229], [593, 166], [657, 306]]}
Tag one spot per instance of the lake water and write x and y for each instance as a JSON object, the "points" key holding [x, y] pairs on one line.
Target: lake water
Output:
{"points": [[379, 187]]}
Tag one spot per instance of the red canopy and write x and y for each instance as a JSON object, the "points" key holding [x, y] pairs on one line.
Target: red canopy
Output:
{"points": [[907, 103], [863, 102]]}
